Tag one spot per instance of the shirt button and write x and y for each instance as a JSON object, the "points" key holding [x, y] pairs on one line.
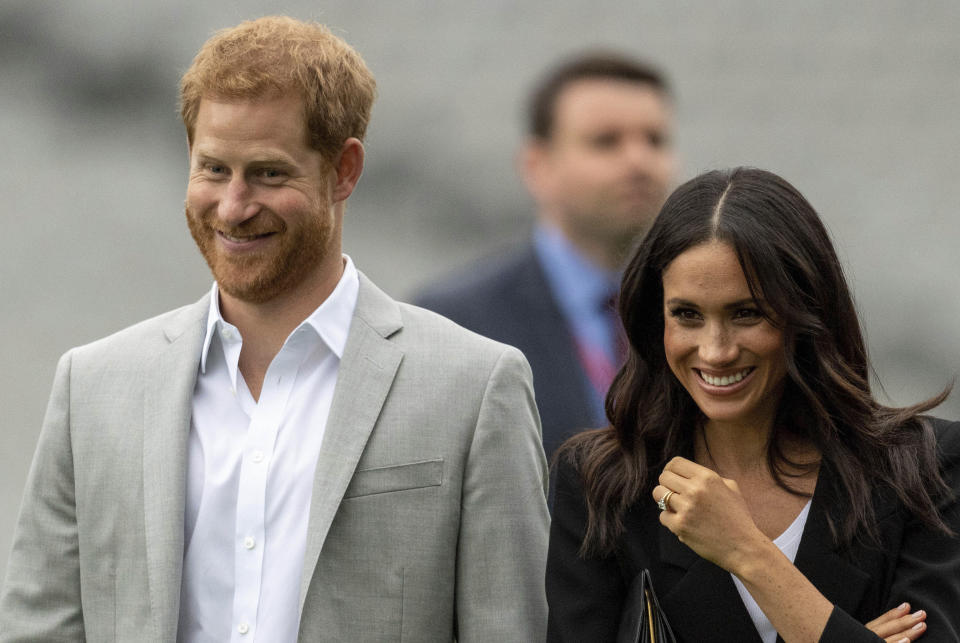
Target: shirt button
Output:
{"points": [[257, 457], [226, 333], [249, 543], [243, 628]]}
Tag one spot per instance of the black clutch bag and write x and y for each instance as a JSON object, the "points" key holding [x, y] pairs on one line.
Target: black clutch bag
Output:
{"points": [[642, 621]]}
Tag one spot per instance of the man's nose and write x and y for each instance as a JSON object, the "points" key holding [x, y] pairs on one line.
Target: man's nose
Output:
{"points": [[718, 347], [236, 203], [638, 154]]}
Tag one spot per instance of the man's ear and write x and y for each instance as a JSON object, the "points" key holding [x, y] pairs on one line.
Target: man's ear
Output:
{"points": [[533, 163], [349, 167]]}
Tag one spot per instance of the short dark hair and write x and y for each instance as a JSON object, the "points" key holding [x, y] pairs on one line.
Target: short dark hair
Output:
{"points": [[590, 65]]}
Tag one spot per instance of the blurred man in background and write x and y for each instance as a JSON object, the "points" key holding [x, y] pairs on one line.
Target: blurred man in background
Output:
{"points": [[295, 456], [599, 162]]}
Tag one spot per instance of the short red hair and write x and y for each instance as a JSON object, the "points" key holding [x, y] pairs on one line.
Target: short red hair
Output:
{"points": [[278, 55]]}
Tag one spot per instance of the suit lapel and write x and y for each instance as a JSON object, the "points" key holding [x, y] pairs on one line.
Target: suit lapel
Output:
{"points": [[367, 370], [703, 584], [564, 397], [171, 378], [838, 580]]}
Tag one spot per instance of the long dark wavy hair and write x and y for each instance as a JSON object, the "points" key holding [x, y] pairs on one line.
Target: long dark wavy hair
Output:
{"points": [[788, 259]]}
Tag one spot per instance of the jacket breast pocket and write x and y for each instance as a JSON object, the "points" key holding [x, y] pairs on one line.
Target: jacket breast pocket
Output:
{"points": [[397, 477]]}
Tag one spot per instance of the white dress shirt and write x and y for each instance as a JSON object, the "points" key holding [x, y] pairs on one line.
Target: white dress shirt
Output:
{"points": [[789, 543], [250, 474]]}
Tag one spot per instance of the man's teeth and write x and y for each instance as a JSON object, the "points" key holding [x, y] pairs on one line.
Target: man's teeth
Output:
{"points": [[726, 380], [230, 237]]}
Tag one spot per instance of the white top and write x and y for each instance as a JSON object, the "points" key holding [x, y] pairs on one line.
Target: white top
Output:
{"points": [[788, 542], [250, 475]]}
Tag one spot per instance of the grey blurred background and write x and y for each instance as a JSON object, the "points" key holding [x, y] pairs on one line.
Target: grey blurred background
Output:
{"points": [[856, 103]]}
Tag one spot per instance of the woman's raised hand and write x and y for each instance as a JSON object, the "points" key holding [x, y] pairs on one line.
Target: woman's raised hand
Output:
{"points": [[708, 513]]}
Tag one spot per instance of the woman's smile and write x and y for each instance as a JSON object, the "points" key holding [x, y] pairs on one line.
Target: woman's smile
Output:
{"points": [[718, 339], [726, 383]]}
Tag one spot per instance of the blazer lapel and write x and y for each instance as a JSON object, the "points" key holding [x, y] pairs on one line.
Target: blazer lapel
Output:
{"points": [[838, 580], [367, 370], [703, 584], [171, 378]]}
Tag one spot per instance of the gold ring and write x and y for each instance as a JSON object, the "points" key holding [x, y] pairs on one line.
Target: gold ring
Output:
{"points": [[662, 503]]}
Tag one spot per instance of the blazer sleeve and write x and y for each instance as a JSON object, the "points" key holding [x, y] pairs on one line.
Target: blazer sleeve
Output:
{"points": [[927, 572], [585, 595], [504, 521], [41, 595]]}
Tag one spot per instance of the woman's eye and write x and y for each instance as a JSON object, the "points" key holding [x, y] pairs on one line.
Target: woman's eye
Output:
{"points": [[685, 314], [748, 313]]}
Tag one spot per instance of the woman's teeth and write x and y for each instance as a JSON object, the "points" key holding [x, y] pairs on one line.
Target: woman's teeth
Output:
{"points": [[726, 380]]}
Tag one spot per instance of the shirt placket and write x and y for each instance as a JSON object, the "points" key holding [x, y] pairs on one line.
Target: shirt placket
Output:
{"points": [[252, 500]]}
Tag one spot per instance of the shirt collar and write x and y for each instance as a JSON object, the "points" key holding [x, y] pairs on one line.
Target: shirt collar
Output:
{"points": [[577, 283], [330, 321]]}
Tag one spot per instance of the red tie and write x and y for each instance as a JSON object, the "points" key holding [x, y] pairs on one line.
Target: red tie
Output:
{"points": [[596, 360]]}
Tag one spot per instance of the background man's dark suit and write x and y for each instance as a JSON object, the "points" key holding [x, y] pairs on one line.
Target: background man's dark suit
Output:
{"points": [[508, 299], [598, 161]]}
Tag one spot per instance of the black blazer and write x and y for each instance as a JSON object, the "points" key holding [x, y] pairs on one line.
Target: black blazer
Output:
{"points": [[507, 298], [700, 600]]}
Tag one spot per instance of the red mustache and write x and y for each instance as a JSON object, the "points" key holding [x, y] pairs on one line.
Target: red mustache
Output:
{"points": [[256, 227]]}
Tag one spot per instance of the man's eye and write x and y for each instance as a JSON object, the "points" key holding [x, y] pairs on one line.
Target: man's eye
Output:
{"points": [[216, 169], [271, 173], [656, 140], [605, 141]]}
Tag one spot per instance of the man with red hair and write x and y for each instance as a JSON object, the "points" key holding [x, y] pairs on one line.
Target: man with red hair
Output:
{"points": [[296, 456]]}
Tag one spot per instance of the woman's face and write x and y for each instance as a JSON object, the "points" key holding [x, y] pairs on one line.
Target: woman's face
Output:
{"points": [[716, 339]]}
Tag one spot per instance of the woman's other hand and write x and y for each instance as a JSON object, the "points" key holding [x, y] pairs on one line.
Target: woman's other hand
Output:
{"points": [[899, 625]]}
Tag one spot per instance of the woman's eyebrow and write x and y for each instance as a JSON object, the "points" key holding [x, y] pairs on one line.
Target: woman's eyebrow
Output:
{"points": [[677, 301], [749, 301]]}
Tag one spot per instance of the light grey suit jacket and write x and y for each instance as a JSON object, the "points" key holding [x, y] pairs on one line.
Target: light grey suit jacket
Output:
{"points": [[427, 523]]}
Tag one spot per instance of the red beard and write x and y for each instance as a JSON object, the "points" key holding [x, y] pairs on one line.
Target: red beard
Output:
{"points": [[289, 254]]}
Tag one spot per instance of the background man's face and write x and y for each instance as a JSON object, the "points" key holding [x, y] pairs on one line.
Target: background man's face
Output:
{"points": [[258, 198], [609, 163]]}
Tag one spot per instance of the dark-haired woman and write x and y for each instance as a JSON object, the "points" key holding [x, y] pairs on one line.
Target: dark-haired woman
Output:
{"points": [[791, 502]]}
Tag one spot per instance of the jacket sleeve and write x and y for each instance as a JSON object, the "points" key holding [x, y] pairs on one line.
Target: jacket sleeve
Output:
{"points": [[927, 571], [585, 595], [41, 595], [504, 521]]}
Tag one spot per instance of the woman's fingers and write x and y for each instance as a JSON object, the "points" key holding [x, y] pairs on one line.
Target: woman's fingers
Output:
{"points": [[661, 492], [898, 624], [671, 480], [881, 624], [910, 634], [686, 468]]}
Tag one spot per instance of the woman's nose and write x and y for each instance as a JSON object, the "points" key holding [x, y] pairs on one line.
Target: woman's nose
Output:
{"points": [[718, 346]]}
